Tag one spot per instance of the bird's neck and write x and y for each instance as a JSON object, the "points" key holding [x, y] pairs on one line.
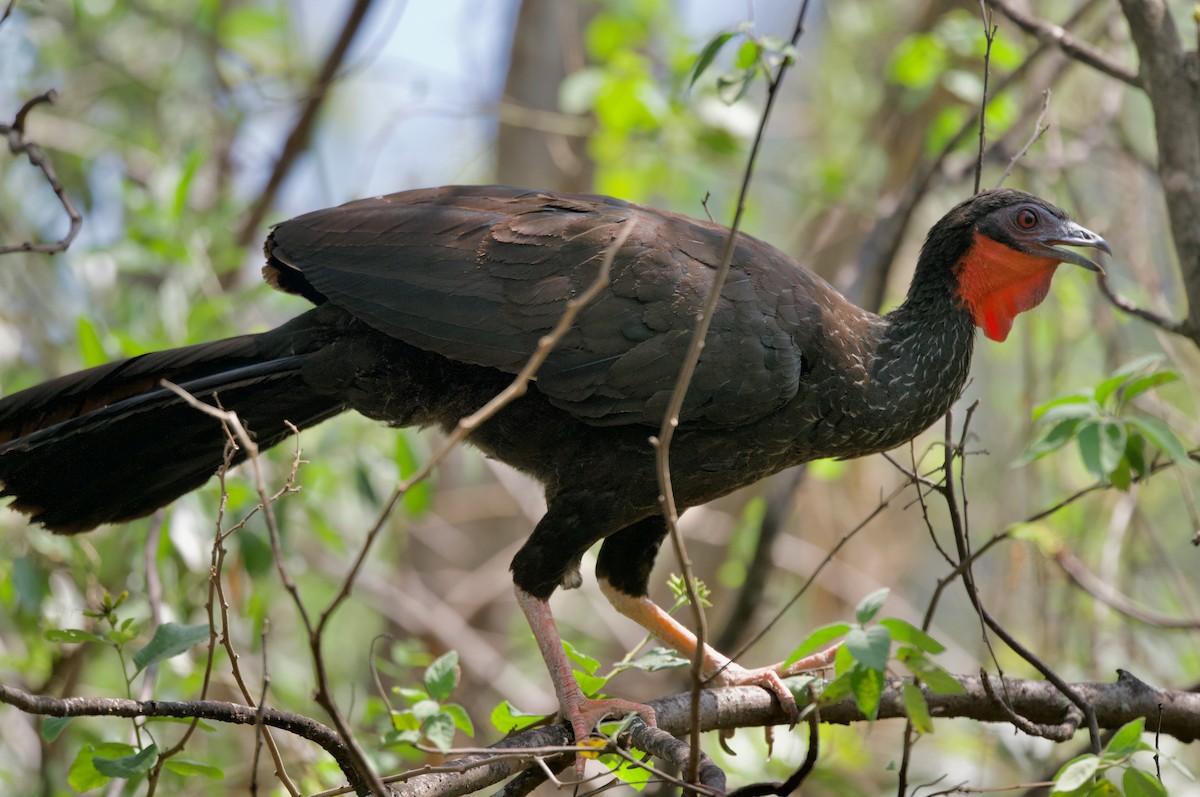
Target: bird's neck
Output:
{"points": [[922, 360]]}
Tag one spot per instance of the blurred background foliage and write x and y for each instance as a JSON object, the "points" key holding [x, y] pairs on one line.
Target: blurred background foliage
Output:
{"points": [[172, 116]]}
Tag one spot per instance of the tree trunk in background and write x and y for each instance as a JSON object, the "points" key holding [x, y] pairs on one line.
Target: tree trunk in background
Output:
{"points": [[537, 146]]}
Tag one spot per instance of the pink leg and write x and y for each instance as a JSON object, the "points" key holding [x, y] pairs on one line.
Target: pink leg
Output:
{"points": [[719, 668], [583, 713]]}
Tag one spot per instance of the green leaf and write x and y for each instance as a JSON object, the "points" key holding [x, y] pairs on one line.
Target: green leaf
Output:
{"points": [[170, 639], [1102, 445], [400, 740], [634, 775], [405, 721], [1122, 477], [837, 689], [462, 720], [904, 631], [506, 718], [1137, 783], [590, 684], [870, 646], [747, 55], [410, 694], [424, 709], [419, 498], [1076, 773], [1105, 388], [1161, 437], [188, 769], [916, 707], [1051, 440], [1148, 382], [1135, 452], [439, 730], [83, 775], [73, 636], [441, 676], [933, 674], [91, 350], [817, 639], [869, 606], [1076, 405], [707, 55], [867, 686], [127, 766], [1127, 740], [579, 657], [1138, 364], [52, 727], [655, 659]]}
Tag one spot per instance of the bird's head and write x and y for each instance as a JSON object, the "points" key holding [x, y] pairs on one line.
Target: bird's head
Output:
{"points": [[1004, 246]]}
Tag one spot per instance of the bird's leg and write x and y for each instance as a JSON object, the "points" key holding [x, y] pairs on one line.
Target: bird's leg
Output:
{"points": [[623, 570], [583, 713], [718, 669]]}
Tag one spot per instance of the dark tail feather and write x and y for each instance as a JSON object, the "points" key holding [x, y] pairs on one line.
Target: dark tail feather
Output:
{"points": [[110, 444]]}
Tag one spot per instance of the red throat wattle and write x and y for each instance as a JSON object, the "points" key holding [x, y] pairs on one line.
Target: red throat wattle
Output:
{"points": [[996, 282]]}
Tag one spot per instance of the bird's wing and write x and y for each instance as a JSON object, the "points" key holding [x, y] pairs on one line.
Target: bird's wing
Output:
{"points": [[479, 275]]}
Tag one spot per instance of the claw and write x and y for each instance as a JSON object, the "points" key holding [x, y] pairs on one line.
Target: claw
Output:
{"points": [[585, 715]]}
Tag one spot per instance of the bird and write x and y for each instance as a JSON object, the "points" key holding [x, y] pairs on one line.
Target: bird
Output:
{"points": [[428, 301]]}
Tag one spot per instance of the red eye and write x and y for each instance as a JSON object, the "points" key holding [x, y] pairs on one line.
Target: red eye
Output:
{"points": [[1027, 218]]}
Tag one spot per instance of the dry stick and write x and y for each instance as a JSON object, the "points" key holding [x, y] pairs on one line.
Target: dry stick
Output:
{"points": [[367, 776], [297, 139], [17, 145], [1049, 33], [1039, 130], [1099, 589], [671, 417], [968, 580], [989, 34]]}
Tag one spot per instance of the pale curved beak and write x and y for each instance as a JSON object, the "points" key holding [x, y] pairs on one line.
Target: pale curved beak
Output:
{"points": [[1071, 234]]}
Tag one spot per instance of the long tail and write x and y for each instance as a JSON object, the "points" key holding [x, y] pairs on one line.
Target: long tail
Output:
{"points": [[110, 443]]}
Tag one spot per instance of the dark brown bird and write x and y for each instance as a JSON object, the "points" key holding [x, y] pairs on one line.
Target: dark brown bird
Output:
{"points": [[429, 301]]}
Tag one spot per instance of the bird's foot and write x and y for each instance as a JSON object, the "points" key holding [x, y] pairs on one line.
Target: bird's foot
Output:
{"points": [[586, 714], [771, 678]]}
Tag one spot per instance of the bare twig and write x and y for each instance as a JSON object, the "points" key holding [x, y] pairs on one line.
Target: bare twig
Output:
{"points": [[1039, 130], [989, 35], [1110, 597], [297, 139], [670, 510], [1121, 303], [324, 694], [17, 145], [1048, 32]]}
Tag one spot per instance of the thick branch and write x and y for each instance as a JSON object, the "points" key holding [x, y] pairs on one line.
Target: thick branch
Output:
{"points": [[1171, 77], [1048, 32], [213, 710], [742, 707]]}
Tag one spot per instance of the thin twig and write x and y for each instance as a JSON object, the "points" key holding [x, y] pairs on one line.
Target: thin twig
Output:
{"points": [[17, 145], [1121, 303], [297, 139], [691, 359], [324, 695], [1039, 130], [989, 35]]}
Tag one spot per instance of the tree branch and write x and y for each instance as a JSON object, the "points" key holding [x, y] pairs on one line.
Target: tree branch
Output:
{"points": [[297, 140], [1049, 33], [15, 135]]}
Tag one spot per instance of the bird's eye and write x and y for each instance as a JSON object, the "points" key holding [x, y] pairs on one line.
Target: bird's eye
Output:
{"points": [[1027, 218]]}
